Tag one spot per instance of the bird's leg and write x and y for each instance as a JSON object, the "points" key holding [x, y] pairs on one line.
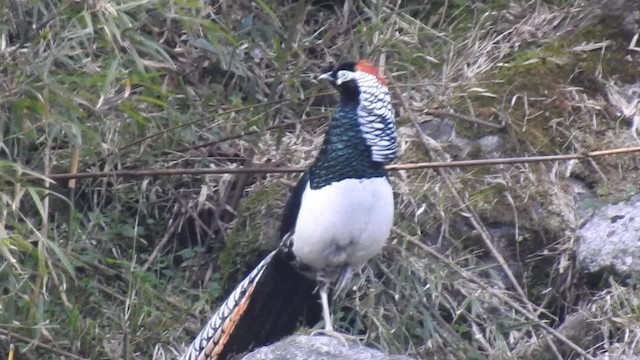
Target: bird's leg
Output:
{"points": [[326, 313], [344, 279]]}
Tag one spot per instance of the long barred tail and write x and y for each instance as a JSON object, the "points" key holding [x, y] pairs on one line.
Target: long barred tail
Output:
{"points": [[270, 303], [211, 340]]}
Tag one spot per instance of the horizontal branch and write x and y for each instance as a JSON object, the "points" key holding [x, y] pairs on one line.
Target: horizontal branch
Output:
{"points": [[514, 160], [410, 166]]}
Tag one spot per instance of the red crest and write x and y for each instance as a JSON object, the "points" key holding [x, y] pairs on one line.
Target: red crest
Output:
{"points": [[365, 66]]}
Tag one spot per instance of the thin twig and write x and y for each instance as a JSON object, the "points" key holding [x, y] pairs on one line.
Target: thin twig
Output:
{"points": [[201, 119], [156, 252], [36, 343], [272, 127], [448, 176], [468, 211], [281, 170], [241, 134], [248, 132], [470, 277], [192, 122], [468, 118]]}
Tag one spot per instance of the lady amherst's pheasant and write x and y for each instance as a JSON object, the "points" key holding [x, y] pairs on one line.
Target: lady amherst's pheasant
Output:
{"points": [[339, 216]]}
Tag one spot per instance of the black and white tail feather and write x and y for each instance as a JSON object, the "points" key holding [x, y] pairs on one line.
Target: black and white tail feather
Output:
{"points": [[270, 303], [207, 344]]}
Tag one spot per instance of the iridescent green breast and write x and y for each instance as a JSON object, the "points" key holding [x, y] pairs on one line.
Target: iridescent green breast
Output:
{"points": [[344, 153]]}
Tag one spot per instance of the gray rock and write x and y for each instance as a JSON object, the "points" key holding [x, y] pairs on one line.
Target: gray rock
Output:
{"points": [[610, 239], [440, 130], [626, 12], [608, 356], [318, 348], [490, 146]]}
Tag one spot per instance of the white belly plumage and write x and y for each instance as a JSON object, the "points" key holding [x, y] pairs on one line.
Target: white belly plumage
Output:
{"points": [[346, 222]]}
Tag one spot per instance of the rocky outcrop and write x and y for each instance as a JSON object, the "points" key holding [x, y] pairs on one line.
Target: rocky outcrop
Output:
{"points": [[318, 348], [610, 239]]}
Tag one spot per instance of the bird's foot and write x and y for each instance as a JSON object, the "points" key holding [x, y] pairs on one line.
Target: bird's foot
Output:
{"points": [[343, 338]]}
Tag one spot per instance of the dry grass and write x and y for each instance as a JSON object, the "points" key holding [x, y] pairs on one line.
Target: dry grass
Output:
{"points": [[131, 268]]}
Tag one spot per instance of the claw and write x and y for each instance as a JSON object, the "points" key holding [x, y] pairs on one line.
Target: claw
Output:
{"points": [[334, 334]]}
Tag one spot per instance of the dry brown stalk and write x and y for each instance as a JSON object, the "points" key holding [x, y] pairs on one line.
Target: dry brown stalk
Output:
{"points": [[396, 167]]}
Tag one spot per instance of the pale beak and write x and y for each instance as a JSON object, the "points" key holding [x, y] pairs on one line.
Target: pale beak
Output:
{"points": [[326, 76]]}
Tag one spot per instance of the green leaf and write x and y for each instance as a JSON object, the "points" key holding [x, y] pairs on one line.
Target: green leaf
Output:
{"points": [[603, 191], [267, 9], [135, 115], [187, 253], [62, 257], [111, 74], [36, 199], [153, 101]]}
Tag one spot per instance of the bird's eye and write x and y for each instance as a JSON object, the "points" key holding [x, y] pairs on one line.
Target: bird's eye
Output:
{"points": [[343, 75]]}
